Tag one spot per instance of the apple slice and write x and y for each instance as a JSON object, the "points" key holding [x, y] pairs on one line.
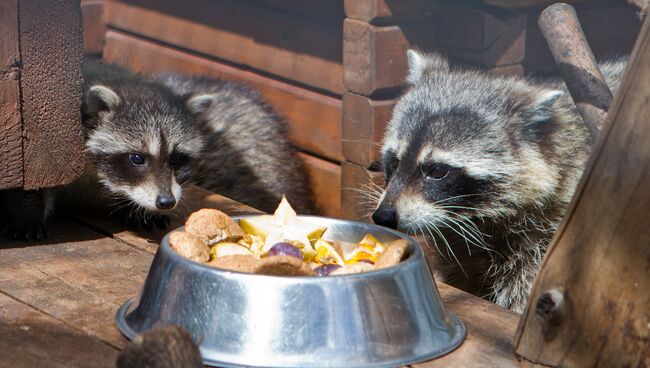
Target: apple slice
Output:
{"points": [[223, 249]]}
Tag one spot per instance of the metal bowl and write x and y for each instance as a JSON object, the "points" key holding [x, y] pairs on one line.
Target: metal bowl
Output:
{"points": [[387, 317]]}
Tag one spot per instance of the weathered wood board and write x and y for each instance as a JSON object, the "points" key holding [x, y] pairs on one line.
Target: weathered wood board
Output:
{"points": [[364, 122], [271, 44], [388, 11]]}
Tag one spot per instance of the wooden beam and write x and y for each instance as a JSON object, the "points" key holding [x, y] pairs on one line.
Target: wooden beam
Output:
{"points": [[388, 11], [516, 4], [277, 43], [590, 303], [94, 25], [364, 121], [314, 119], [11, 142], [50, 79], [325, 180], [374, 58]]}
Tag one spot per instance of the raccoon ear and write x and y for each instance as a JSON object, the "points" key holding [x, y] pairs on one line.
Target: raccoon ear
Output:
{"points": [[101, 98], [199, 103], [421, 64], [543, 105]]}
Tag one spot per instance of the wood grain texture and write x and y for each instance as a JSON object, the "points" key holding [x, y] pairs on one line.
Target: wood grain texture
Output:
{"points": [[305, 51], [364, 121], [357, 200], [388, 11], [314, 119], [599, 262], [50, 78], [515, 4], [374, 58], [325, 180], [30, 338], [480, 37], [94, 25], [11, 144], [327, 12]]}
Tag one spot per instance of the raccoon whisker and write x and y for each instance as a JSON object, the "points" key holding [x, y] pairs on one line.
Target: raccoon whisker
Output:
{"points": [[449, 250], [461, 196], [433, 238], [462, 235]]}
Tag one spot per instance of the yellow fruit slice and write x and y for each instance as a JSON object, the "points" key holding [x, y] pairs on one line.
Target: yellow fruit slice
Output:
{"points": [[228, 249], [326, 254]]}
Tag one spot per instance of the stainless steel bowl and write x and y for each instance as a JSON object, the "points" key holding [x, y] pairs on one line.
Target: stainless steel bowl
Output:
{"points": [[388, 317]]}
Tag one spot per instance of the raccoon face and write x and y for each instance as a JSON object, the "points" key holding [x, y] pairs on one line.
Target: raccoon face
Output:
{"points": [[142, 142], [463, 146]]}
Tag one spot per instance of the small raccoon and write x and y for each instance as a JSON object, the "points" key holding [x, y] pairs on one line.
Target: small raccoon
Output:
{"points": [[481, 168], [143, 141], [248, 156]]}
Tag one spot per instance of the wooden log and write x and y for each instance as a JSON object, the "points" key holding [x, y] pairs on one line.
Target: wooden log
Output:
{"points": [[50, 78], [610, 30], [11, 143], [325, 180], [314, 119], [94, 26], [287, 46], [388, 11], [357, 200], [589, 306], [364, 121], [30, 338], [479, 37], [374, 58]]}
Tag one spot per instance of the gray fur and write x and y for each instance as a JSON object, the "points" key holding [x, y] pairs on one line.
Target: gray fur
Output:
{"points": [[248, 156], [513, 150]]}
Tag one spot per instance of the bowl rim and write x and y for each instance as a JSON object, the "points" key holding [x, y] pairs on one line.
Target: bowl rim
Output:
{"points": [[414, 248]]}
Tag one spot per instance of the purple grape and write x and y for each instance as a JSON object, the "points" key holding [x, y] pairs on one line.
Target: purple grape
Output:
{"points": [[326, 269], [285, 249]]}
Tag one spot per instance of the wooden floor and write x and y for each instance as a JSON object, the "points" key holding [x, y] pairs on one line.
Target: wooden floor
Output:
{"points": [[58, 297]]}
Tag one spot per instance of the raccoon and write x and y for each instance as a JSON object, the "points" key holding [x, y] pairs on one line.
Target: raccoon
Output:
{"points": [[248, 156], [481, 169], [143, 141]]}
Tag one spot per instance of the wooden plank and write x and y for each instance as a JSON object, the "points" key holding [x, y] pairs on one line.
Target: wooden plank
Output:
{"points": [[78, 276], [516, 69], [325, 180], [314, 119], [610, 31], [280, 44], [328, 12], [489, 333], [364, 121], [480, 37], [11, 144], [358, 199], [387, 11], [374, 58], [50, 79], [589, 306], [30, 338], [94, 26]]}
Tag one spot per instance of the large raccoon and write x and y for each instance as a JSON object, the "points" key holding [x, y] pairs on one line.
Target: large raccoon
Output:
{"points": [[481, 168], [143, 141]]}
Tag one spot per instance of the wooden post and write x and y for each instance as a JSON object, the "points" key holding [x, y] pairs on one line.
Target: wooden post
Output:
{"points": [[591, 303]]}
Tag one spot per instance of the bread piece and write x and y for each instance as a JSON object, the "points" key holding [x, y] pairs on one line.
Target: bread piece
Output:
{"points": [[189, 246], [236, 262], [213, 226], [284, 266], [394, 253]]}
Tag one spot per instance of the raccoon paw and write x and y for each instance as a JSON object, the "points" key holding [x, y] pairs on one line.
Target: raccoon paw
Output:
{"points": [[26, 231]]}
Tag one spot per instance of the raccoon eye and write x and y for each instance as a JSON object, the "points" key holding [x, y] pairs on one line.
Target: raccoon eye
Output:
{"points": [[436, 172], [136, 159], [176, 159]]}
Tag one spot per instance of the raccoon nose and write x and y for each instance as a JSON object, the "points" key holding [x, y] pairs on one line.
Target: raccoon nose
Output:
{"points": [[385, 217], [165, 202]]}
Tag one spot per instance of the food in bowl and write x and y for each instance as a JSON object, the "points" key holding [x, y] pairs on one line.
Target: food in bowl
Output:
{"points": [[279, 244]]}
